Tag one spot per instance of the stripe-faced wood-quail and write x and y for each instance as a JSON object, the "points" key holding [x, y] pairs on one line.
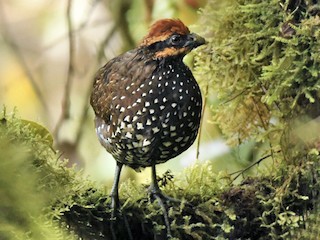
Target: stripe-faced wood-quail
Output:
{"points": [[147, 102]]}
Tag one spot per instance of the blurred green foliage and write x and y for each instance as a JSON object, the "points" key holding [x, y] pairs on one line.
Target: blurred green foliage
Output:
{"points": [[28, 182]]}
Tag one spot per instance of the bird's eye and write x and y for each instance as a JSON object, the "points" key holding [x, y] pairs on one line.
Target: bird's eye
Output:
{"points": [[175, 39]]}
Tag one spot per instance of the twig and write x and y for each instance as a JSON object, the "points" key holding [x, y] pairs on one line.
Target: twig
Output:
{"points": [[240, 172], [65, 114], [23, 62], [85, 106], [202, 119], [106, 40]]}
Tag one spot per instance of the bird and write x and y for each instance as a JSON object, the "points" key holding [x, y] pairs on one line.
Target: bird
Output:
{"points": [[147, 103]]}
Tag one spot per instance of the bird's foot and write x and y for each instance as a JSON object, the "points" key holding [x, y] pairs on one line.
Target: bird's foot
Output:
{"points": [[163, 200], [116, 215]]}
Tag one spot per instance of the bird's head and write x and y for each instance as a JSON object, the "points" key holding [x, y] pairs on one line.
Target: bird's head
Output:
{"points": [[170, 37]]}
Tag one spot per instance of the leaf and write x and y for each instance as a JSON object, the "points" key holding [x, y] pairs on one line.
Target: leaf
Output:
{"points": [[39, 129]]}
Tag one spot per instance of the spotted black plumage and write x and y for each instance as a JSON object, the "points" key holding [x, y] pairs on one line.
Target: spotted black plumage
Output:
{"points": [[147, 102]]}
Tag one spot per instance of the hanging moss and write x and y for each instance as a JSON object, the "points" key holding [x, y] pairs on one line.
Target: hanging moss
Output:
{"points": [[262, 60]]}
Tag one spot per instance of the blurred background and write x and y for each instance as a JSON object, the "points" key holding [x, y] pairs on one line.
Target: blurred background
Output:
{"points": [[50, 51]]}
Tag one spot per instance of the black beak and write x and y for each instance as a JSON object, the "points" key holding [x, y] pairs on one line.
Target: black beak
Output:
{"points": [[194, 40]]}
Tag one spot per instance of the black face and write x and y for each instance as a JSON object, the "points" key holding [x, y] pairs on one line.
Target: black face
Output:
{"points": [[178, 41]]}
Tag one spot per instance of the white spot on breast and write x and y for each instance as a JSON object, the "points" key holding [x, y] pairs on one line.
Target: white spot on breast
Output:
{"points": [[150, 82], [172, 128], [139, 112], [156, 100], [174, 82], [161, 107], [135, 118], [152, 77], [115, 97], [122, 109], [160, 77], [153, 118], [144, 94], [139, 137], [164, 125], [184, 114], [127, 118], [148, 123], [164, 100], [122, 125], [167, 144], [123, 97], [147, 104], [150, 91], [178, 75], [127, 88], [139, 125], [146, 142], [144, 109], [173, 105], [151, 111], [179, 139], [181, 97], [128, 135], [155, 129], [186, 139], [129, 146], [142, 85], [173, 134]]}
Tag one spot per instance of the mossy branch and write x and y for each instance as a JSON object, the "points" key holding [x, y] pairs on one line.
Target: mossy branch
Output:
{"points": [[270, 206]]}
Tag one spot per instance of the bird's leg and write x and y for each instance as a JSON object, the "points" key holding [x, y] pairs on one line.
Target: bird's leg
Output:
{"points": [[156, 193], [114, 191], [115, 203], [155, 190]]}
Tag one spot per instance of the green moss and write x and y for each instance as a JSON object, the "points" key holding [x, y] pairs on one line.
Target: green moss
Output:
{"points": [[262, 60], [42, 192]]}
